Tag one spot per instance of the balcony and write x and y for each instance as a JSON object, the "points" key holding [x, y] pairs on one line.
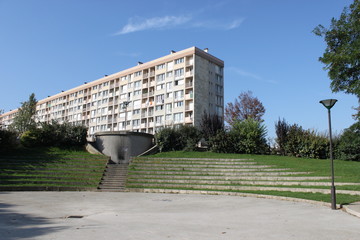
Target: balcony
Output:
{"points": [[151, 124], [143, 125], [189, 108], [189, 73], [188, 84], [189, 119], [189, 96]]}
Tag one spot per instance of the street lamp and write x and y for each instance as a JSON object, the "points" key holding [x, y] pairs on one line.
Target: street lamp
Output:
{"points": [[329, 103]]}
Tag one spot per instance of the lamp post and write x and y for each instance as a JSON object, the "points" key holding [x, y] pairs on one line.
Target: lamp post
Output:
{"points": [[124, 106], [329, 103]]}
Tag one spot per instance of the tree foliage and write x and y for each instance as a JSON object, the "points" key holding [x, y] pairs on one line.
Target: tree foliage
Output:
{"points": [[349, 143], [210, 124], [342, 54], [245, 106], [281, 130], [25, 118], [177, 139], [246, 136]]}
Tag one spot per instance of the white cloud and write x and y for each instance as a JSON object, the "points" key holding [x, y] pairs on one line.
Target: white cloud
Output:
{"points": [[136, 25], [234, 24], [244, 73]]}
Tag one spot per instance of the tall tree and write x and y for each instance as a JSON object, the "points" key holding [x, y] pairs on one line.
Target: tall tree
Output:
{"points": [[210, 124], [25, 118], [342, 54], [245, 106]]}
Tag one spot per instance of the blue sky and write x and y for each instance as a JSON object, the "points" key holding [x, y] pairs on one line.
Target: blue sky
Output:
{"points": [[268, 47]]}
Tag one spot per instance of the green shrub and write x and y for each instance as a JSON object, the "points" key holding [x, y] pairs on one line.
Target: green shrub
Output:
{"points": [[167, 139], [176, 139], [222, 142], [30, 138], [55, 134], [348, 147], [250, 137], [7, 140], [189, 137], [305, 143], [246, 136]]}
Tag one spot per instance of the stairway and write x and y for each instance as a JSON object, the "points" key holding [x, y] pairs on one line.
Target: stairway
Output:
{"points": [[222, 175], [114, 178]]}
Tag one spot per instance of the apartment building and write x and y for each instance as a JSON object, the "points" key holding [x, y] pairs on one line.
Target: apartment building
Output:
{"points": [[172, 90]]}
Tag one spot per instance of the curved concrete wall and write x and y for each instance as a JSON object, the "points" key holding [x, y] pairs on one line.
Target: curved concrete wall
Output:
{"points": [[120, 146]]}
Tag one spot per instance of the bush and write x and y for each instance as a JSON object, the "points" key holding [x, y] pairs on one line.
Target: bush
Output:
{"points": [[250, 136], [189, 137], [176, 139], [55, 134], [348, 147], [222, 142], [167, 140], [7, 140], [305, 143], [247, 136]]}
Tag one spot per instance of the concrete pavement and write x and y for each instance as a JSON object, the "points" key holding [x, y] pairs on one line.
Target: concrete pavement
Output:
{"points": [[120, 215]]}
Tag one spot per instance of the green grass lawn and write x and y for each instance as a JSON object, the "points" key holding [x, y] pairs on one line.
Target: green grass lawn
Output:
{"points": [[51, 167], [345, 171]]}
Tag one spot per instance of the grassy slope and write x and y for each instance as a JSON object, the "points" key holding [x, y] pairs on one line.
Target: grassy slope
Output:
{"points": [[51, 167], [345, 171]]}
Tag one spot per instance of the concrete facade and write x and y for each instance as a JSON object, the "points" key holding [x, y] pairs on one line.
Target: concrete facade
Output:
{"points": [[168, 91]]}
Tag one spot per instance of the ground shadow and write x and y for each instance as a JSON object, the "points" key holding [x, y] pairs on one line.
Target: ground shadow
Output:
{"points": [[14, 225]]}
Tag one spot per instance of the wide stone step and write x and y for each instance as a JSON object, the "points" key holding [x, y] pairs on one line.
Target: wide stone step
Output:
{"points": [[232, 182], [206, 177], [240, 188], [250, 169], [217, 173], [217, 163], [114, 178]]}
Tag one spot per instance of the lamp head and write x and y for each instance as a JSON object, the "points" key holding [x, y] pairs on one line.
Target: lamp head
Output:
{"points": [[328, 103]]}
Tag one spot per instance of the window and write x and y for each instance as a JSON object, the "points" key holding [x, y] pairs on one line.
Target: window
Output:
{"points": [[138, 73], [178, 95], [178, 104], [158, 119], [123, 78], [168, 108], [160, 66], [130, 85], [168, 86], [178, 117], [160, 77], [169, 95], [137, 84], [137, 92], [136, 111], [137, 104], [179, 60], [123, 88], [159, 99], [160, 86], [136, 122], [159, 107], [179, 72], [168, 117], [170, 65], [179, 82], [169, 74]]}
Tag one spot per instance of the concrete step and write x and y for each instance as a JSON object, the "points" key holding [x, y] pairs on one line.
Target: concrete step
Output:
{"points": [[234, 182], [114, 177], [240, 188], [206, 177], [217, 173], [241, 169]]}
